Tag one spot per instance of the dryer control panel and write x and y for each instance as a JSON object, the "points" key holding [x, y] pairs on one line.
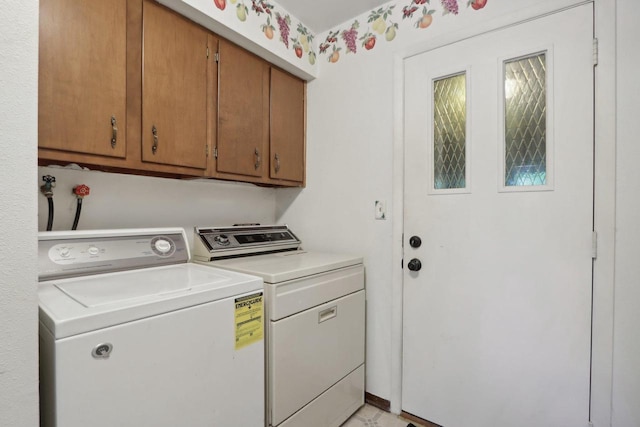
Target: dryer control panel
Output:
{"points": [[79, 253], [223, 242]]}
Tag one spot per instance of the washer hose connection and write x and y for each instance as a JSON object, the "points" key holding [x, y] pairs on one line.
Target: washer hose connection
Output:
{"points": [[47, 190], [80, 191]]}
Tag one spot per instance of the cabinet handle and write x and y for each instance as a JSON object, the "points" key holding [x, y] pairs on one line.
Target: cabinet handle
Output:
{"points": [[114, 132], [154, 131], [258, 159], [277, 159], [327, 314]]}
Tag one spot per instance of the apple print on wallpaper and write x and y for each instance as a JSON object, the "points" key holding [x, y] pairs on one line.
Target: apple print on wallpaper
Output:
{"points": [[380, 26], [477, 4], [368, 41]]}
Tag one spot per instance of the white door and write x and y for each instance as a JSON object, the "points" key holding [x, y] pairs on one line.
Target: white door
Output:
{"points": [[498, 187]]}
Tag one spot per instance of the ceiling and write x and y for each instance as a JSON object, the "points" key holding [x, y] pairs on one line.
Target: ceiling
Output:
{"points": [[322, 15]]}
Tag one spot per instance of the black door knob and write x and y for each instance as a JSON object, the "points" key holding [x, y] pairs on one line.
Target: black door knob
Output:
{"points": [[414, 265], [415, 241]]}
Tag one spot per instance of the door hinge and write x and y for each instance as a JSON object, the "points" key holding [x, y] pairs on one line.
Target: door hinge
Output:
{"points": [[206, 150], [594, 245], [207, 51], [595, 52], [217, 56], [215, 152]]}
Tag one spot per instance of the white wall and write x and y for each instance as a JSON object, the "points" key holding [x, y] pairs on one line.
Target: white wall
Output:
{"points": [[349, 152], [626, 362], [130, 201], [18, 278]]}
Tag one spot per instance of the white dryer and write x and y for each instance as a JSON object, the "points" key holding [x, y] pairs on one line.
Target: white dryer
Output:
{"points": [[315, 306], [133, 334]]}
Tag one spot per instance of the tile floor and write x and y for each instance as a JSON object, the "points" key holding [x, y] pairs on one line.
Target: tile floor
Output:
{"points": [[370, 416]]}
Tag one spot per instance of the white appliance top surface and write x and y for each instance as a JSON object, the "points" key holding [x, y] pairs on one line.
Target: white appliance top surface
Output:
{"points": [[284, 266], [77, 305]]}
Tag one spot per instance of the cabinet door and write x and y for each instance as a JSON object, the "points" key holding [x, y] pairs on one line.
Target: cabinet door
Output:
{"points": [[82, 76], [174, 89], [287, 143], [243, 112]]}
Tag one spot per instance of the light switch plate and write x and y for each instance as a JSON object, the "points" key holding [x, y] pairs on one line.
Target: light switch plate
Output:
{"points": [[380, 209]]}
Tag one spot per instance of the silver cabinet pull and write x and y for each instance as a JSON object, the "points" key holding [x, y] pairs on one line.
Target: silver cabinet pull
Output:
{"points": [[277, 159], [154, 131], [114, 131], [258, 159]]}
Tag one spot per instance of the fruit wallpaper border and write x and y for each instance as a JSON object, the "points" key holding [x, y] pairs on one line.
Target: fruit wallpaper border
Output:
{"points": [[382, 23], [276, 21]]}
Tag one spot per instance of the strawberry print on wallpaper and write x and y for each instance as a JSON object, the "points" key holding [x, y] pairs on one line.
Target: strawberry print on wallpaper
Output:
{"points": [[382, 25]]}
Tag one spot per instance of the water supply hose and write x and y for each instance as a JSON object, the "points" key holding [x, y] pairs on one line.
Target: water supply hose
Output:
{"points": [[47, 190], [80, 192]]}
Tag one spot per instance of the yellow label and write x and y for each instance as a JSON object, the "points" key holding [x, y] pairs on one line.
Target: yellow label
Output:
{"points": [[249, 320]]}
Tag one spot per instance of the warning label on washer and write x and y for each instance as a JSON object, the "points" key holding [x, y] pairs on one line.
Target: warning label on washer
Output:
{"points": [[249, 320]]}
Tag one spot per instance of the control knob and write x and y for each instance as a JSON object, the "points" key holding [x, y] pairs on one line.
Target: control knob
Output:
{"points": [[222, 240], [163, 246]]}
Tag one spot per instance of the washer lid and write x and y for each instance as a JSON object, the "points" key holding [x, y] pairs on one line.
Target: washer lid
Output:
{"points": [[77, 305], [284, 266]]}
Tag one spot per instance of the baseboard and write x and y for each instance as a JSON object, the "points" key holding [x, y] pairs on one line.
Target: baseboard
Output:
{"points": [[376, 401], [385, 405], [420, 421]]}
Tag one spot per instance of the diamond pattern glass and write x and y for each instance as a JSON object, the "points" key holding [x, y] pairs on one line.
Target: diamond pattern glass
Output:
{"points": [[525, 121], [449, 132]]}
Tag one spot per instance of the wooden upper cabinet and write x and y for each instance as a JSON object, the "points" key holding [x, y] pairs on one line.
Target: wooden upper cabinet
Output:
{"points": [[287, 130], [132, 86], [243, 113], [82, 76], [174, 89]]}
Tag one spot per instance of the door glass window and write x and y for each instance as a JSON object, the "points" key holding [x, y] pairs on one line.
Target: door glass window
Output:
{"points": [[525, 112], [449, 132]]}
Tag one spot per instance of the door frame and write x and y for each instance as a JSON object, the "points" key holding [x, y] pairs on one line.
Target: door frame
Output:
{"points": [[604, 193]]}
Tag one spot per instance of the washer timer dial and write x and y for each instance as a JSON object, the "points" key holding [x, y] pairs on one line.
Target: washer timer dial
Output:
{"points": [[163, 246]]}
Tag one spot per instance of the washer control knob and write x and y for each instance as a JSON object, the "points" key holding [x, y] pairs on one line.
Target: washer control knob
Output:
{"points": [[163, 246], [93, 250], [65, 252], [222, 240]]}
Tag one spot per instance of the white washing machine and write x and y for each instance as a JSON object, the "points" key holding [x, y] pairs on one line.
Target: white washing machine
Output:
{"points": [[133, 334], [315, 306]]}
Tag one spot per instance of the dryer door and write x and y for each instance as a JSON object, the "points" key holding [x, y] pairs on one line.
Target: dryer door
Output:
{"points": [[312, 350]]}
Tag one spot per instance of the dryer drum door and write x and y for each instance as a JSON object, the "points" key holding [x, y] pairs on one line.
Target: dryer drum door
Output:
{"points": [[311, 351]]}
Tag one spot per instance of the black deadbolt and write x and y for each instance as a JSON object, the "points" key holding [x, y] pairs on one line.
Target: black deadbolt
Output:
{"points": [[415, 241]]}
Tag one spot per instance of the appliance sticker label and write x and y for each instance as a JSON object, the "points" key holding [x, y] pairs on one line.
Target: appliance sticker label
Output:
{"points": [[249, 315]]}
